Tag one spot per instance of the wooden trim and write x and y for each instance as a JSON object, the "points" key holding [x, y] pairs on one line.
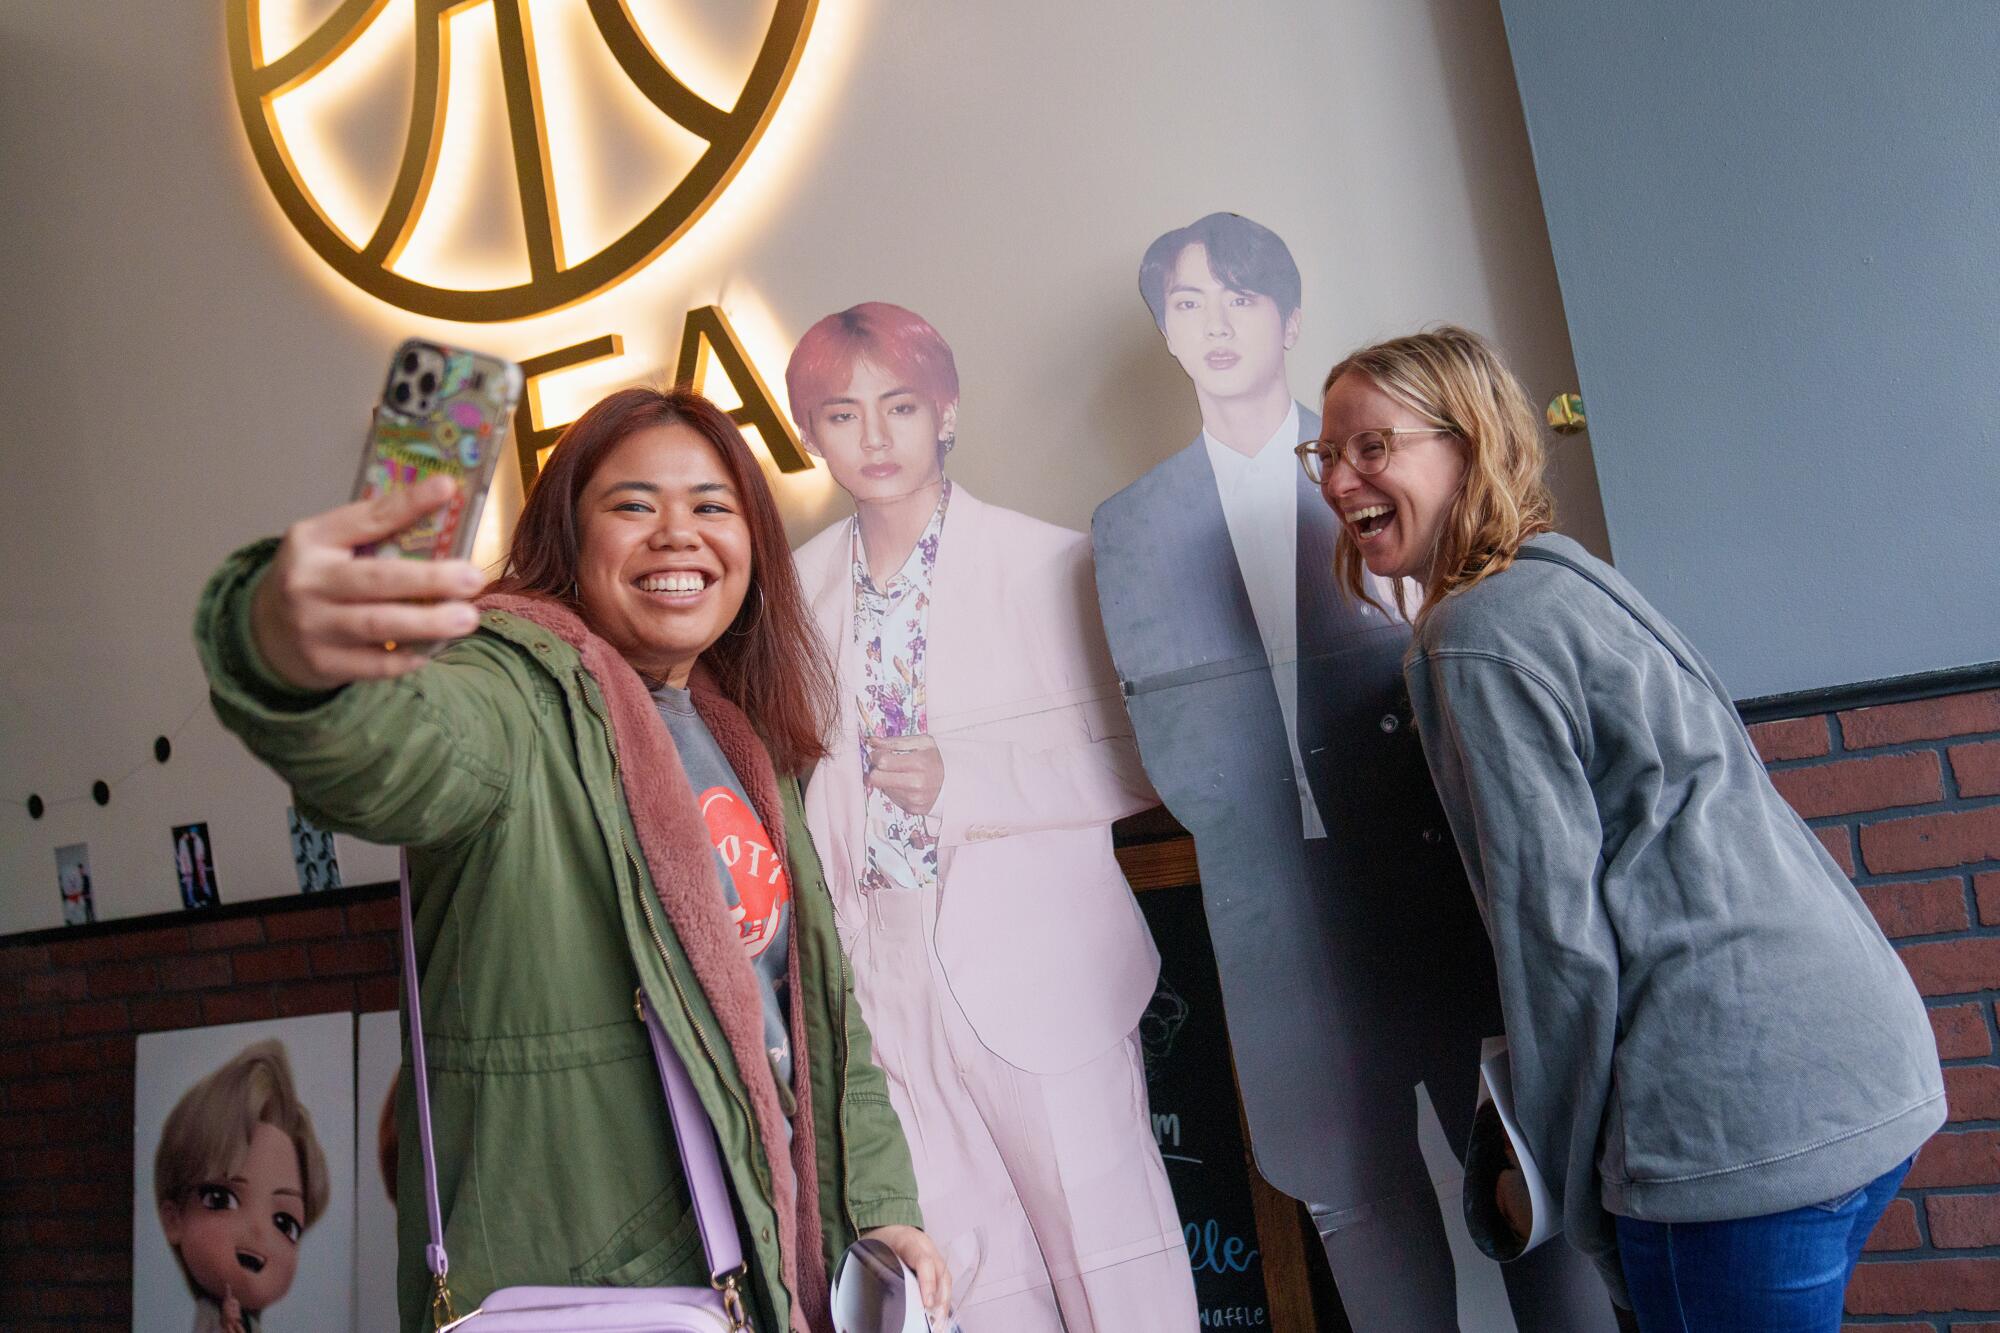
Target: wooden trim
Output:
{"points": [[1166, 864], [189, 916]]}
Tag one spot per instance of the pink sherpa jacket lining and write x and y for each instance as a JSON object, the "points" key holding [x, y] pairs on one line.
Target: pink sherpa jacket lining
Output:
{"points": [[681, 860]]}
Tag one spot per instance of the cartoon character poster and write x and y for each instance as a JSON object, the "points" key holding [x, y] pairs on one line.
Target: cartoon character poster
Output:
{"points": [[1271, 716], [243, 1165], [79, 908]]}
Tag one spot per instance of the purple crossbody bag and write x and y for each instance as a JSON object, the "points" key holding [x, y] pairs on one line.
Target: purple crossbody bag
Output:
{"points": [[716, 1308]]}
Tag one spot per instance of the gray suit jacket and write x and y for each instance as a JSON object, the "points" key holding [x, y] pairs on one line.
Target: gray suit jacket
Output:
{"points": [[1354, 966]]}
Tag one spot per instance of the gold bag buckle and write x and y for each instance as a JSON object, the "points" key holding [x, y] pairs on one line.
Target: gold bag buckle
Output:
{"points": [[442, 1313], [732, 1299]]}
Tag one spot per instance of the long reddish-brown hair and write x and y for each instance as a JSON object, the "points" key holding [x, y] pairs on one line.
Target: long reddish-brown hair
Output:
{"points": [[770, 662]]}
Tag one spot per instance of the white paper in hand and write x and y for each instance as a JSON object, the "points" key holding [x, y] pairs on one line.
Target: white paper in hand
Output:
{"points": [[1496, 1085], [875, 1293]]}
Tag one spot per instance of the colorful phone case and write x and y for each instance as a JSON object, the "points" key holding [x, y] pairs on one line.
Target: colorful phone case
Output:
{"points": [[457, 426]]}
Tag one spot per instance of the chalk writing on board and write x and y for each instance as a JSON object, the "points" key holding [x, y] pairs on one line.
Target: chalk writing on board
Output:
{"points": [[1196, 1120], [1212, 1250], [1167, 1134], [1158, 1027]]}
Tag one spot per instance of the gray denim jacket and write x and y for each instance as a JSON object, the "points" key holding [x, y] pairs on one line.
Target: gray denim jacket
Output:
{"points": [[1704, 1020]]}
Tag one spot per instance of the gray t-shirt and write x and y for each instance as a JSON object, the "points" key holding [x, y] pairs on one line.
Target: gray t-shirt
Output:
{"points": [[755, 883]]}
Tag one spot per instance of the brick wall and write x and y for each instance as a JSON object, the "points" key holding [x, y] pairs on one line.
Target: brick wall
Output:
{"points": [[1907, 798], [71, 1010]]}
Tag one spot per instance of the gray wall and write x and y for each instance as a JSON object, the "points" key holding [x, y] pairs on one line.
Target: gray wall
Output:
{"points": [[1777, 230]]}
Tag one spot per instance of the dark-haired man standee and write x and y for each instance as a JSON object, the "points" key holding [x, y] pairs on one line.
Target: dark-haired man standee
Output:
{"points": [[1269, 713]]}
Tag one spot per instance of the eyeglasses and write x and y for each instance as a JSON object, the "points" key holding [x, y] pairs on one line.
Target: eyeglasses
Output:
{"points": [[1366, 451]]}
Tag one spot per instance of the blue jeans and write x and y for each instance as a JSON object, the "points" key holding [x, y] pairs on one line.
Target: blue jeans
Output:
{"points": [[1780, 1273]]}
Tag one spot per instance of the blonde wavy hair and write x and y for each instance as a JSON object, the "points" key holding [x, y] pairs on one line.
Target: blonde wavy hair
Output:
{"points": [[1453, 379]]}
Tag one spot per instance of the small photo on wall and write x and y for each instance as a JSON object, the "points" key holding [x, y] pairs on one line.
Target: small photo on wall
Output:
{"points": [[243, 1177], [313, 857], [73, 879], [194, 866]]}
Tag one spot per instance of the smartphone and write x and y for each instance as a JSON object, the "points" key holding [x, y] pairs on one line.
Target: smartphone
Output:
{"points": [[443, 410]]}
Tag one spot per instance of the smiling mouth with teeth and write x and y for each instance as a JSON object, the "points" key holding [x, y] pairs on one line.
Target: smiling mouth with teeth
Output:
{"points": [[679, 581], [1370, 521]]}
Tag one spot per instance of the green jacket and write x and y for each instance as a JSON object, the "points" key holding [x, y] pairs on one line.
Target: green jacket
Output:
{"points": [[497, 767]]}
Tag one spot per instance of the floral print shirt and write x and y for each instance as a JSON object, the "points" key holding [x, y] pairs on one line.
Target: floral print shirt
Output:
{"points": [[890, 627]]}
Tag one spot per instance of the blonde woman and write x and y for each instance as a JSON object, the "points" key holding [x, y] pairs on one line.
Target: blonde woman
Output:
{"points": [[1720, 1065]]}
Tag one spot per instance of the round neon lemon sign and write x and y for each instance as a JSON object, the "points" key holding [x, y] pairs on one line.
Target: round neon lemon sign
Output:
{"points": [[553, 280]]}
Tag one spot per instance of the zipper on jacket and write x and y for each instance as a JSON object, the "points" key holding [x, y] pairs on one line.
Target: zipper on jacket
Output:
{"points": [[660, 945], [842, 981], [840, 1119]]}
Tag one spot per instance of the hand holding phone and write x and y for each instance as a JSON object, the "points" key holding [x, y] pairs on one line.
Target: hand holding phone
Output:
{"points": [[329, 611], [324, 616]]}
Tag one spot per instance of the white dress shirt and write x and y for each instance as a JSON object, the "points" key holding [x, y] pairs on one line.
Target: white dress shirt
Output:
{"points": [[1260, 501]]}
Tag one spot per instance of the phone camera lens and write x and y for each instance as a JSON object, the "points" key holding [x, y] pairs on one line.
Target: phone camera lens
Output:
{"points": [[401, 393], [428, 382], [409, 363]]}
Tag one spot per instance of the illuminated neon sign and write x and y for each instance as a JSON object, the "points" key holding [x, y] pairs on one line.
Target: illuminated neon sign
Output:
{"points": [[555, 279]]}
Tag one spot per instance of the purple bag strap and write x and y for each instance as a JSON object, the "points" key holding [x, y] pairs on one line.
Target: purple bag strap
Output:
{"points": [[694, 1135], [701, 1155], [435, 1258]]}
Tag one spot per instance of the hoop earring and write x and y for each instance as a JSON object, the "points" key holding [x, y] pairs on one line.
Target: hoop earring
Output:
{"points": [[757, 588]]}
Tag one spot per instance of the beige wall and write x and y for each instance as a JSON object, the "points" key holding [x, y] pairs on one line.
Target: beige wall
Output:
{"points": [[182, 373]]}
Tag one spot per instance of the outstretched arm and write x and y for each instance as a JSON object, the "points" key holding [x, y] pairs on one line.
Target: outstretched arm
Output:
{"points": [[382, 743]]}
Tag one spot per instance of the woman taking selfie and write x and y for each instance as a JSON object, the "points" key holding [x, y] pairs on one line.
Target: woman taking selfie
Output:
{"points": [[595, 781], [1719, 1063]]}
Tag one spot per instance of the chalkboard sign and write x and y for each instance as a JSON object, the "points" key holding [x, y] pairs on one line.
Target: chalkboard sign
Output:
{"points": [[1195, 1117]]}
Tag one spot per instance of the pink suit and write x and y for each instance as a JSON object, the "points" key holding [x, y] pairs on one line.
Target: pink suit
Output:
{"points": [[1004, 1003]]}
